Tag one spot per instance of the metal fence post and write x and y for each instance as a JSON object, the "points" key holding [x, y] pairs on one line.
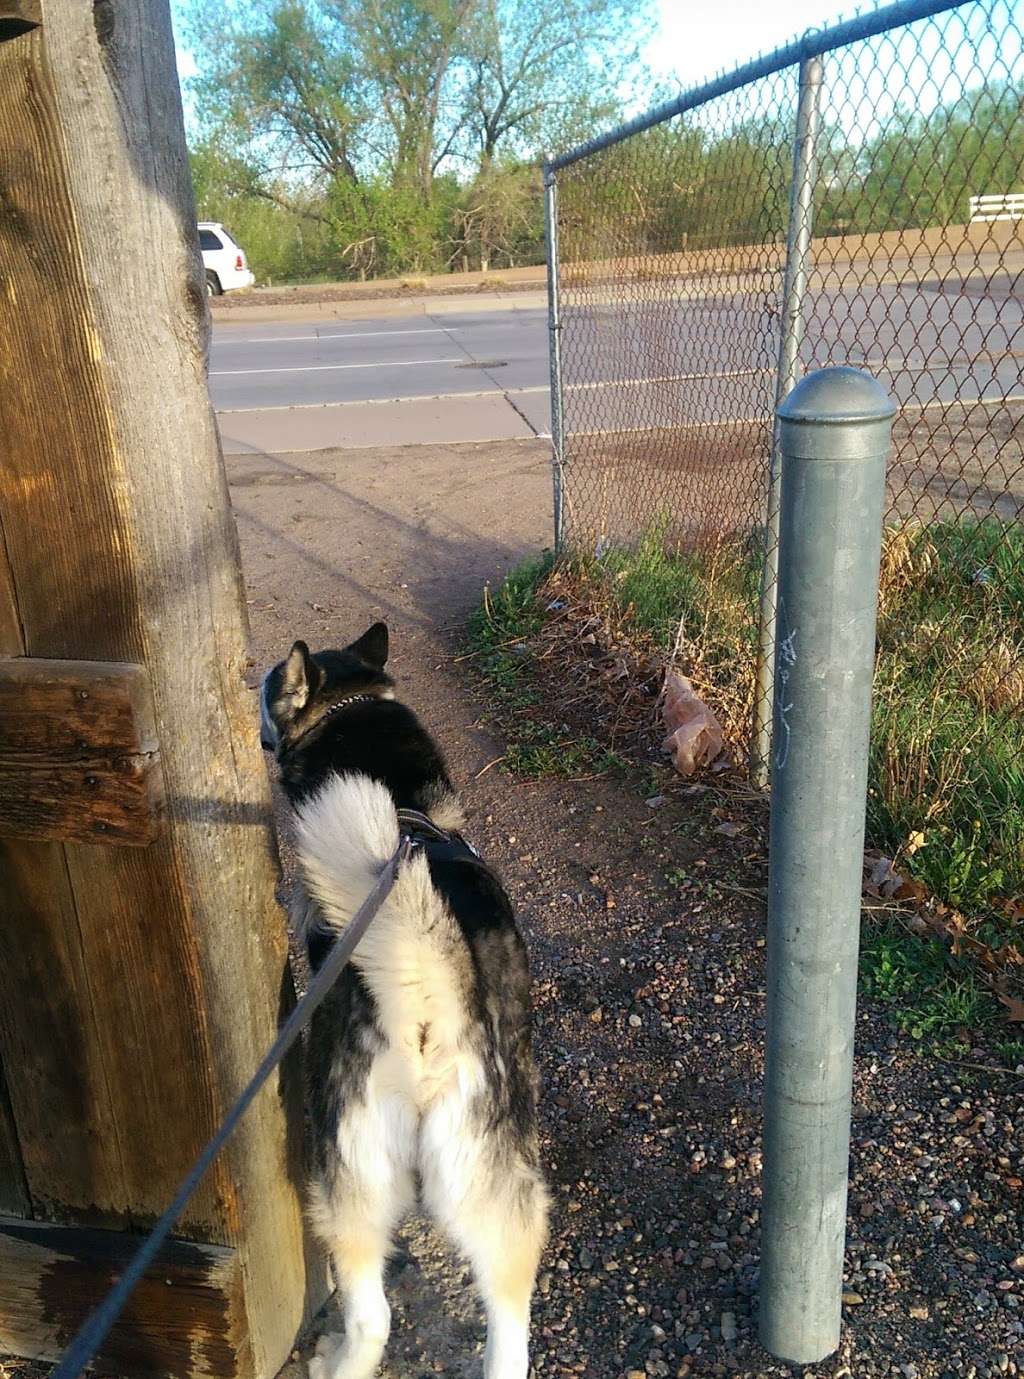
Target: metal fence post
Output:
{"points": [[798, 249], [554, 341], [835, 430]]}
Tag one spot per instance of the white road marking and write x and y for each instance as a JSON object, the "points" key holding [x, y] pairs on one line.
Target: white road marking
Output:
{"points": [[381, 401], [325, 368], [311, 339]]}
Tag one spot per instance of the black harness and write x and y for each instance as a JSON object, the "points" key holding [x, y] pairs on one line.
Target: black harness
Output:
{"points": [[439, 844]]}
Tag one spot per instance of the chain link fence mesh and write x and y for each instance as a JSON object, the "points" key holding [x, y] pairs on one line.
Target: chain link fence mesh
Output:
{"points": [[670, 285]]}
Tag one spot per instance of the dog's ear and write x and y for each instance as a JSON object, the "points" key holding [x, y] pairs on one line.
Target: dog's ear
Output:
{"points": [[301, 677], [372, 646]]}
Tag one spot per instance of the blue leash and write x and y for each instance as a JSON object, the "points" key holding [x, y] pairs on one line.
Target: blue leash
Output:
{"points": [[97, 1325]]}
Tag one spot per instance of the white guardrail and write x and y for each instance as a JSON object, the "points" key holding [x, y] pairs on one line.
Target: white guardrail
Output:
{"points": [[1005, 206]]}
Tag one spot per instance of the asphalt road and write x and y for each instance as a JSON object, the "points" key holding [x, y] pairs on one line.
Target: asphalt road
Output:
{"points": [[659, 361], [477, 376]]}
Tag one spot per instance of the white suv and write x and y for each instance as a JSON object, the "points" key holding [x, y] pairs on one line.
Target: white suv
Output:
{"points": [[223, 259]]}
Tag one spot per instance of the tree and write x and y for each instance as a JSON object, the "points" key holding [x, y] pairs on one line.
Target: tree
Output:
{"points": [[407, 50], [278, 89], [533, 68]]}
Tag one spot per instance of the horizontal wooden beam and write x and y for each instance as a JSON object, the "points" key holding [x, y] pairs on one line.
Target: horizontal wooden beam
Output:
{"points": [[79, 759], [185, 1318], [18, 15]]}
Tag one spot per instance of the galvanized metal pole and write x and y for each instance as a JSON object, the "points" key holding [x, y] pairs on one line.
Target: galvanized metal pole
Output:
{"points": [[554, 342], [835, 431], [798, 247]]}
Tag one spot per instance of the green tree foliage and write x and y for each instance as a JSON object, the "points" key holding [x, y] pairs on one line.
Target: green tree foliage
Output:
{"points": [[369, 138], [921, 170]]}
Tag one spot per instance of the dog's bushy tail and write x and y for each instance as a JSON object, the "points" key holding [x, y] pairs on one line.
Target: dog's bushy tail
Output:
{"points": [[345, 835]]}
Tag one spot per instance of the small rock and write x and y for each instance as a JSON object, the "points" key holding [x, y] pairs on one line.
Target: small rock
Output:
{"points": [[852, 1299], [586, 1259], [729, 1331], [635, 1021], [920, 1311]]}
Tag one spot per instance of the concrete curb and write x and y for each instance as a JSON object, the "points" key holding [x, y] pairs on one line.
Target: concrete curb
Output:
{"points": [[377, 308]]}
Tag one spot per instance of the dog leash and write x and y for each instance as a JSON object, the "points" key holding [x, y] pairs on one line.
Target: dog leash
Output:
{"points": [[93, 1332]]}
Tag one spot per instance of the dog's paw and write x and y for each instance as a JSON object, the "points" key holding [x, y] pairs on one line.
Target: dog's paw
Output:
{"points": [[327, 1347]]}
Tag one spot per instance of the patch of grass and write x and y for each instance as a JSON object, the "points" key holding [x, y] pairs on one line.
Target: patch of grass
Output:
{"points": [[542, 750], [947, 754], [511, 612], [931, 997], [500, 629], [946, 771], [499, 633], [1011, 1051], [698, 607]]}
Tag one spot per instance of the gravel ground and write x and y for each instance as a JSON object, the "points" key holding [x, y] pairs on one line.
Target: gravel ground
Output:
{"points": [[646, 934]]}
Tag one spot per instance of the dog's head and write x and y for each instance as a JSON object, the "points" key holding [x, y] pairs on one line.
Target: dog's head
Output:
{"points": [[299, 690]]}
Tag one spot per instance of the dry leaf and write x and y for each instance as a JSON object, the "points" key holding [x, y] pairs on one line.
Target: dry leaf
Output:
{"points": [[914, 842], [911, 890], [1014, 1007], [729, 829], [694, 733], [883, 882]]}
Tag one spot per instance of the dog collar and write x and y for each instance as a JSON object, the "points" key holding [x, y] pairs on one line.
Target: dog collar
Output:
{"points": [[336, 707], [344, 703]]}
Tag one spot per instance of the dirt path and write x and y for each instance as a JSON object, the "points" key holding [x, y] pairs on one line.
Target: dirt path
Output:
{"points": [[645, 928]]}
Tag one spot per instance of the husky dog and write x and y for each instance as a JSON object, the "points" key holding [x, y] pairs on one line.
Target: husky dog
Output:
{"points": [[420, 1073]]}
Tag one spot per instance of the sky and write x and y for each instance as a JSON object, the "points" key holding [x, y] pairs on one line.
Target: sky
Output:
{"points": [[696, 39]]}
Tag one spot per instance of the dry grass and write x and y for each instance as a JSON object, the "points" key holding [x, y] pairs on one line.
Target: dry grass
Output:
{"points": [[946, 779], [946, 795]]}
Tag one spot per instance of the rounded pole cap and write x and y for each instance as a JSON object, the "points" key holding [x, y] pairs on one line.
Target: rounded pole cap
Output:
{"points": [[836, 414], [838, 397]]}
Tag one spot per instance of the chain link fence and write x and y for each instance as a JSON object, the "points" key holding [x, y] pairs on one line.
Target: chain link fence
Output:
{"points": [[852, 199]]}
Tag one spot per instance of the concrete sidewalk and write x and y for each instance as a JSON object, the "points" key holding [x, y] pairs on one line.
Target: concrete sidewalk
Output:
{"points": [[226, 312], [446, 420]]}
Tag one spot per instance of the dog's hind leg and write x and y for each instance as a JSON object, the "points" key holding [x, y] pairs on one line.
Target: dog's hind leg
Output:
{"points": [[493, 1205], [355, 1219], [503, 1243]]}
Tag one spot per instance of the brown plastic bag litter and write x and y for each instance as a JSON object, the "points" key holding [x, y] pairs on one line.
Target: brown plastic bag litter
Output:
{"points": [[694, 733]]}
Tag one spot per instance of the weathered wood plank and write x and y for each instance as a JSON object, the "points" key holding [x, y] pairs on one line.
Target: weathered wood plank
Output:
{"points": [[110, 442], [14, 1198], [17, 16], [187, 1316], [52, 1050], [78, 752]]}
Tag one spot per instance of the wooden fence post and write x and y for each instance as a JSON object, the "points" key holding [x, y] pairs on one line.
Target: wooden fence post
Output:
{"points": [[139, 984]]}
